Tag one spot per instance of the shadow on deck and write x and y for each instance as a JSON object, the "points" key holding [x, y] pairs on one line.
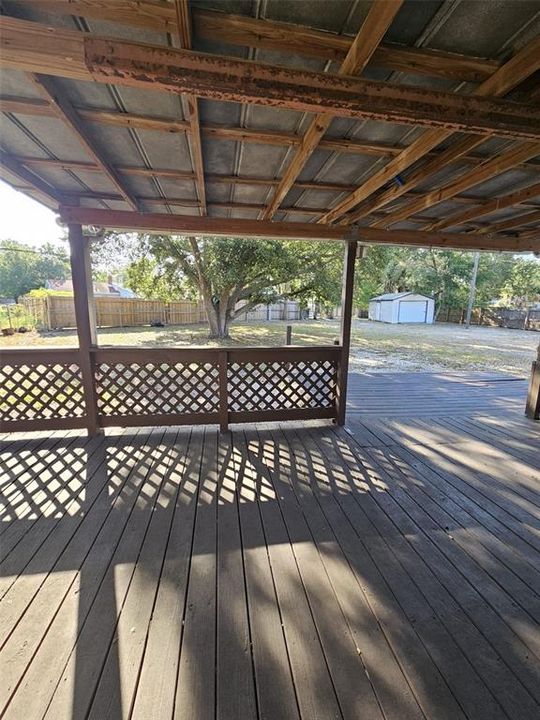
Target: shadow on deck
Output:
{"points": [[387, 570]]}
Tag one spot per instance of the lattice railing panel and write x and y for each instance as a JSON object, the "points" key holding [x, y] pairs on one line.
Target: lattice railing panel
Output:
{"points": [[41, 391], [157, 388], [276, 385]]}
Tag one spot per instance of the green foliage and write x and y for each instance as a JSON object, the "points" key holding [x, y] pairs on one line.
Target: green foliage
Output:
{"points": [[23, 268], [226, 272], [523, 280], [445, 275], [46, 292]]}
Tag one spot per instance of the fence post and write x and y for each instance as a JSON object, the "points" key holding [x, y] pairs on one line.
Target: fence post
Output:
{"points": [[288, 335], [223, 391], [83, 298]]}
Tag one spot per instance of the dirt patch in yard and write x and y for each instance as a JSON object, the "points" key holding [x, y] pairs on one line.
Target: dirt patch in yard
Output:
{"points": [[376, 347]]}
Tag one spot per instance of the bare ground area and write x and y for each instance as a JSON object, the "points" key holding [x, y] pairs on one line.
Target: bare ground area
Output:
{"points": [[376, 347]]}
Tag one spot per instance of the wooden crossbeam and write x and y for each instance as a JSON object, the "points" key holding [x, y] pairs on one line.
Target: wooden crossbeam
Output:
{"points": [[523, 64], [179, 174], [512, 223], [25, 106], [487, 170], [374, 27], [498, 203], [190, 225], [16, 169], [26, 45], [183, 24], [269, 34], [67, 113]]}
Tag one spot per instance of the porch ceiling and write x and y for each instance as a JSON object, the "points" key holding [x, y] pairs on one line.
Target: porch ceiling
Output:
{"points": [[125, 126]]}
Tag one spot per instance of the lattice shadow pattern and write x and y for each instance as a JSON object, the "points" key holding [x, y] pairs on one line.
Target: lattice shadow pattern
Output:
{"points": [[281, 385], [41, 391], [157, 388]]}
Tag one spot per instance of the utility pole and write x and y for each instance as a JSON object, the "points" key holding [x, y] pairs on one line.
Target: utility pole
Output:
{"points": [[472, 291]]}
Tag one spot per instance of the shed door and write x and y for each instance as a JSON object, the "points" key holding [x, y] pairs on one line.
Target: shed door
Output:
{"points": [[412, 311]]}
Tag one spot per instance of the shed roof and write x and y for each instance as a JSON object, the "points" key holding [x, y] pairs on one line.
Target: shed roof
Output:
{"points": [[95, 134], [397, 296]]}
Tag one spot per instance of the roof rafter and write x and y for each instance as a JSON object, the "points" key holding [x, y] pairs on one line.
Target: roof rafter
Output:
{"points": [[25, 106], [487, 170], [151, 222], [498, 203], [15, 168], [67, 113], [374, 27], [273, 35], [27, 45], [523, 64], [511, 223], [183, 23]]}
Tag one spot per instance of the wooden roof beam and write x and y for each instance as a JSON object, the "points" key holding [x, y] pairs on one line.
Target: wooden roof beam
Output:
{"points": [[498, 203], [523, 64], [512, 223], [25, 106], [28, 45], [14, 167], [273, 35], [487, 170], [374, 27], [67, 113], [183, 23], [190, 225]]}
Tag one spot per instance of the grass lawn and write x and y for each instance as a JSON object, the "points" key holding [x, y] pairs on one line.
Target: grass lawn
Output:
{"points": [[376, 347]]}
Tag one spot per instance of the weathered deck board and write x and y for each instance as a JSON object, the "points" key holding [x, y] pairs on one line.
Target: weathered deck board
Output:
{"points": [[386, 570]]}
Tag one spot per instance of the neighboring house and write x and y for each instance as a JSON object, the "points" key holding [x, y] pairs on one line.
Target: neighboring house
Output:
{"points": [[100, 288], [404, 307]]}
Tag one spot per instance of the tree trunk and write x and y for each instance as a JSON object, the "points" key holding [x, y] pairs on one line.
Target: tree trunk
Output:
{"points": [[218, 323]]}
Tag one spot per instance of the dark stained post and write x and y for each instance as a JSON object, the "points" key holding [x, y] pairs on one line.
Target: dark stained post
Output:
{"points": [[532, 409], [223, 391], [345, 333], [288, 335], [85, 316]]}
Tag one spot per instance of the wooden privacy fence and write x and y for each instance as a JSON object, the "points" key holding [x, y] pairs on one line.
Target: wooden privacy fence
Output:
{"points": [[44, 389], [57, 311], [494, 317]]}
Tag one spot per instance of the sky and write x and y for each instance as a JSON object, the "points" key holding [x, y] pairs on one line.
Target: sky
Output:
{"points": [[26, 220]]}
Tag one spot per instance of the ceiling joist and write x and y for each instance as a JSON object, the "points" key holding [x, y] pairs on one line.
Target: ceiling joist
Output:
{"points": [[523, 64], [252, 32], [374, 27], [498, 203], [487, 170], [183, 26], [66, 112], [259, 136]]}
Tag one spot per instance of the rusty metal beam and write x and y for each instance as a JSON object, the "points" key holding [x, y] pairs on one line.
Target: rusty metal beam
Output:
{"points": [[27, 45]]}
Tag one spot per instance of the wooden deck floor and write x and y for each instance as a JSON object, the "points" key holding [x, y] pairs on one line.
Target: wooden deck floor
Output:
{"points": [[386, 570]]}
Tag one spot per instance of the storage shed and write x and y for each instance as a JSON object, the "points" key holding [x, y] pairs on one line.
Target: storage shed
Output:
{"points": [[404, 307]]}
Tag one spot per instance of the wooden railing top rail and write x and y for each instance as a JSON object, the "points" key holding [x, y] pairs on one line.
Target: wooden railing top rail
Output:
{"points": [[198, 354], [19, 356]]}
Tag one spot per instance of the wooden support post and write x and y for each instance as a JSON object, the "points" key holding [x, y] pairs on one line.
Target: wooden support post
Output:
{"points": [[223, 392], [345, 333], [532, 409], [85, 315], [288, 335]]}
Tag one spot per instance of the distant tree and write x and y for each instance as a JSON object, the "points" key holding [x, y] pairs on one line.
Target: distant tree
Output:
{"points": [[231, 276], [523, 281], [24, 268]]}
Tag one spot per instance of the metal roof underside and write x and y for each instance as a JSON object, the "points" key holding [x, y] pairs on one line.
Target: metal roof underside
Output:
{"points": [[494, 29]]}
